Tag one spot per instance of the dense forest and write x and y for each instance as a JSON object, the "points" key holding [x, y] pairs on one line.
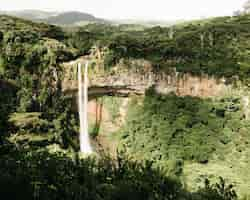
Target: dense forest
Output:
{"points": [[39, 126], [217, 46]]}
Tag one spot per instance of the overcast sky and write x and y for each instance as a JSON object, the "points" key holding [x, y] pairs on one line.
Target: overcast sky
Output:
{"points": [[133, 9]]}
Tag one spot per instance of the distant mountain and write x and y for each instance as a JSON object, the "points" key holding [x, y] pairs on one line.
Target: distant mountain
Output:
{"points": [[73, 18], [76, 18], [147, 23], [34, 15]]}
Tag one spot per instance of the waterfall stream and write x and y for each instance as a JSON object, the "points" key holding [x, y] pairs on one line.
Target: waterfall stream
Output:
{"points": [[85, 146]]}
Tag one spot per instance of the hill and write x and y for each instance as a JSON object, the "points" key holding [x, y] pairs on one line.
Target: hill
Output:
{"points": [[58, 18], [73, 18], [34, 15]]}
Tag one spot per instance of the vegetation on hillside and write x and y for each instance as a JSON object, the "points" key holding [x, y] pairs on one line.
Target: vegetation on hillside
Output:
{"points": [[167, 127], [215, 46], [165, 131], [41, 175], [173, 131], [30, 73]]}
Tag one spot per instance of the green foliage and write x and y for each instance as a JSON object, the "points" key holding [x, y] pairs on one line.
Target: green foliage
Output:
{"points": [[174, 167], [30, 122], [113, 105], [30, 28], [110, 59], [40, 175], [65, 130], [45, 176], [82, 40], [7, 105], [217, 191], [30, 59], [216, 46], [25, 94], [2, 65], [167, 127]]}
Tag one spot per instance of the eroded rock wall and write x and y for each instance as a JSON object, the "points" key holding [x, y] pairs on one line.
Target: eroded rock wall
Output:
{"points": [[138, 75]]}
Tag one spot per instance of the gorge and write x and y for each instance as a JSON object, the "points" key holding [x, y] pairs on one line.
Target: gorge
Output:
{"points": [[167, 114]]}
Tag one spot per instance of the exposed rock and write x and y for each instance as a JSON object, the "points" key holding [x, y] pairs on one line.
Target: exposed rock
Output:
{"points": [[138, 75]]}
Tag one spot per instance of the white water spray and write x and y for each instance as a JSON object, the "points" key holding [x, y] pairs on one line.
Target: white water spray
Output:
{"points": [[85, 146]]}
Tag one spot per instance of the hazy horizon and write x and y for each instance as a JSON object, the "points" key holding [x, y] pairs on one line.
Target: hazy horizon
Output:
{"points": [[136, 10]]}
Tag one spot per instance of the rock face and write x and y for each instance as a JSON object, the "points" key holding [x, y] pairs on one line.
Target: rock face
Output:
{"points": [[181, 85], [138, 76]]}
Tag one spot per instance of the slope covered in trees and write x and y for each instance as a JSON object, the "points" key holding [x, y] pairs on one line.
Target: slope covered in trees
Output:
{"points": [[174, 131], [215, 46], [30, 64]]}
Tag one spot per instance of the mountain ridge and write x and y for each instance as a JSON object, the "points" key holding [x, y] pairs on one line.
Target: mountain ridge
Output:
{"points": [[73, 18], [30, 14], [54, 17], [78, 18]]}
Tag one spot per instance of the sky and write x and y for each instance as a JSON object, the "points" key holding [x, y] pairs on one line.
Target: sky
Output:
{"points": [[133, 9]]}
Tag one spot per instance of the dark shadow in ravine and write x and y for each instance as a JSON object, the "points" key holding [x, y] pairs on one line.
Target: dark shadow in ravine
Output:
{"points": [[7, 105], [99, 91]]}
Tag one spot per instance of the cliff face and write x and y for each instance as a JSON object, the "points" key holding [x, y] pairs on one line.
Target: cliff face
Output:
{"points": [[138, 76], [181, 85]]}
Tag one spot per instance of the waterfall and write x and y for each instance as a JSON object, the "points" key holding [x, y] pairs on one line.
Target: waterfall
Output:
{"points": [[85, 146]]}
